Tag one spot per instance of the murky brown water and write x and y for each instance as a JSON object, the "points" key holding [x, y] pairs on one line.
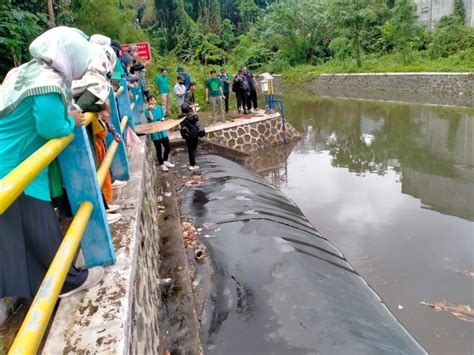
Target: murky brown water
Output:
{"points": [[392, 185]]}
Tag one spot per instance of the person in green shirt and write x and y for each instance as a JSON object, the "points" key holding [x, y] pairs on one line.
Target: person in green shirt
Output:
{"points": [[162, 81], [225, 80], [214, 95], [34, 100]]}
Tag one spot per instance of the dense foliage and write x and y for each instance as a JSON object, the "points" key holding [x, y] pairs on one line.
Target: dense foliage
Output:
{"points": [[22, 21], [275, 35]]}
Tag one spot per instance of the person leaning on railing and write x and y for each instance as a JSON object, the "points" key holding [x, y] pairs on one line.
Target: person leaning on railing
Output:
{"points": [[91, 93], [34, 101]]}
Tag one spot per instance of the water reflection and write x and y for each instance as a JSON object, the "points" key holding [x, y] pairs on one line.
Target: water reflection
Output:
{"points": [[431, 148], [386, 183]]}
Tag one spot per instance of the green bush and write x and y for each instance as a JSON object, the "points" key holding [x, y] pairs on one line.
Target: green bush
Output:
{"points": [[451, 38], [340, 48]]}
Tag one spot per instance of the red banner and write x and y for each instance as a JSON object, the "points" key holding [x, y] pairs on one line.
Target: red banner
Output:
{"points": [[144, 50]]}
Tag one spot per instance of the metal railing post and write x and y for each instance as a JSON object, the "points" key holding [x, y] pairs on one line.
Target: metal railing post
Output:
{"points": [[119, 167], [80, 180], [123, 103]]}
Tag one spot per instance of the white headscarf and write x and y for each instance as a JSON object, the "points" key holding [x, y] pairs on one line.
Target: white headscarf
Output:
{"points": [[100, 69], [61, 55], [64, 49], [100, 40]]}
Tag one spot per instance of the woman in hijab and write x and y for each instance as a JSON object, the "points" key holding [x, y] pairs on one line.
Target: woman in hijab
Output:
{"points": [[91, 94], [34, 101]]}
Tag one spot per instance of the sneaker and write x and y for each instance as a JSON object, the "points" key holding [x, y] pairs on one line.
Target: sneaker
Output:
{"points": [[169, 165], [163, 167], [94, 276], [193, 168], [117, 184], [112, 208], [113, 217]]}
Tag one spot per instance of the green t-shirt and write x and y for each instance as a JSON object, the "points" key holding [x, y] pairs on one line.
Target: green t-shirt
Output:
{"points": [[163, 83], [214, 86]]}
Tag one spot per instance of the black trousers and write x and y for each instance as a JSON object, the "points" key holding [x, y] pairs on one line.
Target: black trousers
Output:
{"points": [[162, 156], [252, 99], [226, 102], [29, 239], [242, 98], [192, 144]]}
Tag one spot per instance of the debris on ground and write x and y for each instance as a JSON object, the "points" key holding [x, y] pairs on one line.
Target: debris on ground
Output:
{"points": [[187, 181], [462, 312], [463, 272], [190, 234], [209, 225]]}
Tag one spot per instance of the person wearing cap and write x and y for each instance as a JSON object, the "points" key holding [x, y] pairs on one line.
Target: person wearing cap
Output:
{"points": [[225, 80], [186, 77]]}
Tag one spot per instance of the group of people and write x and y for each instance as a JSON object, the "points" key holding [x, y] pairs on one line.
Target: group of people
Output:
{"points": [[45, 98], [217, 94], [218, 87]]}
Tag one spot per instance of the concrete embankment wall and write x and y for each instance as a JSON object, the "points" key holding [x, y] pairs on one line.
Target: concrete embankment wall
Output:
{"points": [[432, 88], [253, 134], [121, 315]]}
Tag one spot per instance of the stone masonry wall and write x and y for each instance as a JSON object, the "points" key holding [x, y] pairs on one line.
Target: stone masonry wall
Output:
{"points": [[433, 88], [255, 135], [121, 314], [146, 299]]}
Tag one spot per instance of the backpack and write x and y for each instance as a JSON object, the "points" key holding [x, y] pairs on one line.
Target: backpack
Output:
{"points": [[245, 85]]}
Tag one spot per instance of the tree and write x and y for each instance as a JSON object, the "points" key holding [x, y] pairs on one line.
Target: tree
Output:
{"points": [[401, 31], [18, 28], [52, 21]]}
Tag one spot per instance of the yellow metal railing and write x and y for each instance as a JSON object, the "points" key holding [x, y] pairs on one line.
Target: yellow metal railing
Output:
{"points": [[31, 333], [12, 185], [29, 337], [109, 156]]}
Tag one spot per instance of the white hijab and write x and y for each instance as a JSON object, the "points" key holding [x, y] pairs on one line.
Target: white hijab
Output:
{"points": [[61, 55], [100, 69]]}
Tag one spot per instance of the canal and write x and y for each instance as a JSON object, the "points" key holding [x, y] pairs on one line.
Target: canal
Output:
{"points": [[392, 186]]}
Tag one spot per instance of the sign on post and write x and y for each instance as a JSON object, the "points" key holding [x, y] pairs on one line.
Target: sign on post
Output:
{"points": [[144, 50]]}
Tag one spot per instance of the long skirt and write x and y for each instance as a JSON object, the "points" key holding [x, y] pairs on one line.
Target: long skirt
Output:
{"points": [[29, 239], [101, 150]]}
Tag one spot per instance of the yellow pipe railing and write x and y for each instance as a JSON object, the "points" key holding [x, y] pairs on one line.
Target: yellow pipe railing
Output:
{"points": [[12, 185], [34, 326], [109, 156], [29, 337]]}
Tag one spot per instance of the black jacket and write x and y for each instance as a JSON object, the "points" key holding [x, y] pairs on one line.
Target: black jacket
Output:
{"points": [[189, 126]]}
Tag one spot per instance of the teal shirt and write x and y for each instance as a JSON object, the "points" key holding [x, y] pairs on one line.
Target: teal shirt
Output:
{"points": [[158, 115], [214, 86], [163, 83], [35, 121], [118, 70]]}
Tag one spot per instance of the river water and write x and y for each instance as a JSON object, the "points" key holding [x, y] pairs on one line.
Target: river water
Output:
{"points": [[392, 186]]}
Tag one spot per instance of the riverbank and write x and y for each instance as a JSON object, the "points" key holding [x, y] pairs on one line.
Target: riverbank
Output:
{"points": [[455, 89]]}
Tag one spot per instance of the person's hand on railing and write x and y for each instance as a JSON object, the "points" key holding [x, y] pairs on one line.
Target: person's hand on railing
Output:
{"points": [[77, 116], [104, 115]]}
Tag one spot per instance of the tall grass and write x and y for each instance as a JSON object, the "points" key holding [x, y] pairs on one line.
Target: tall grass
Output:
{"points": [[419, 62]]}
